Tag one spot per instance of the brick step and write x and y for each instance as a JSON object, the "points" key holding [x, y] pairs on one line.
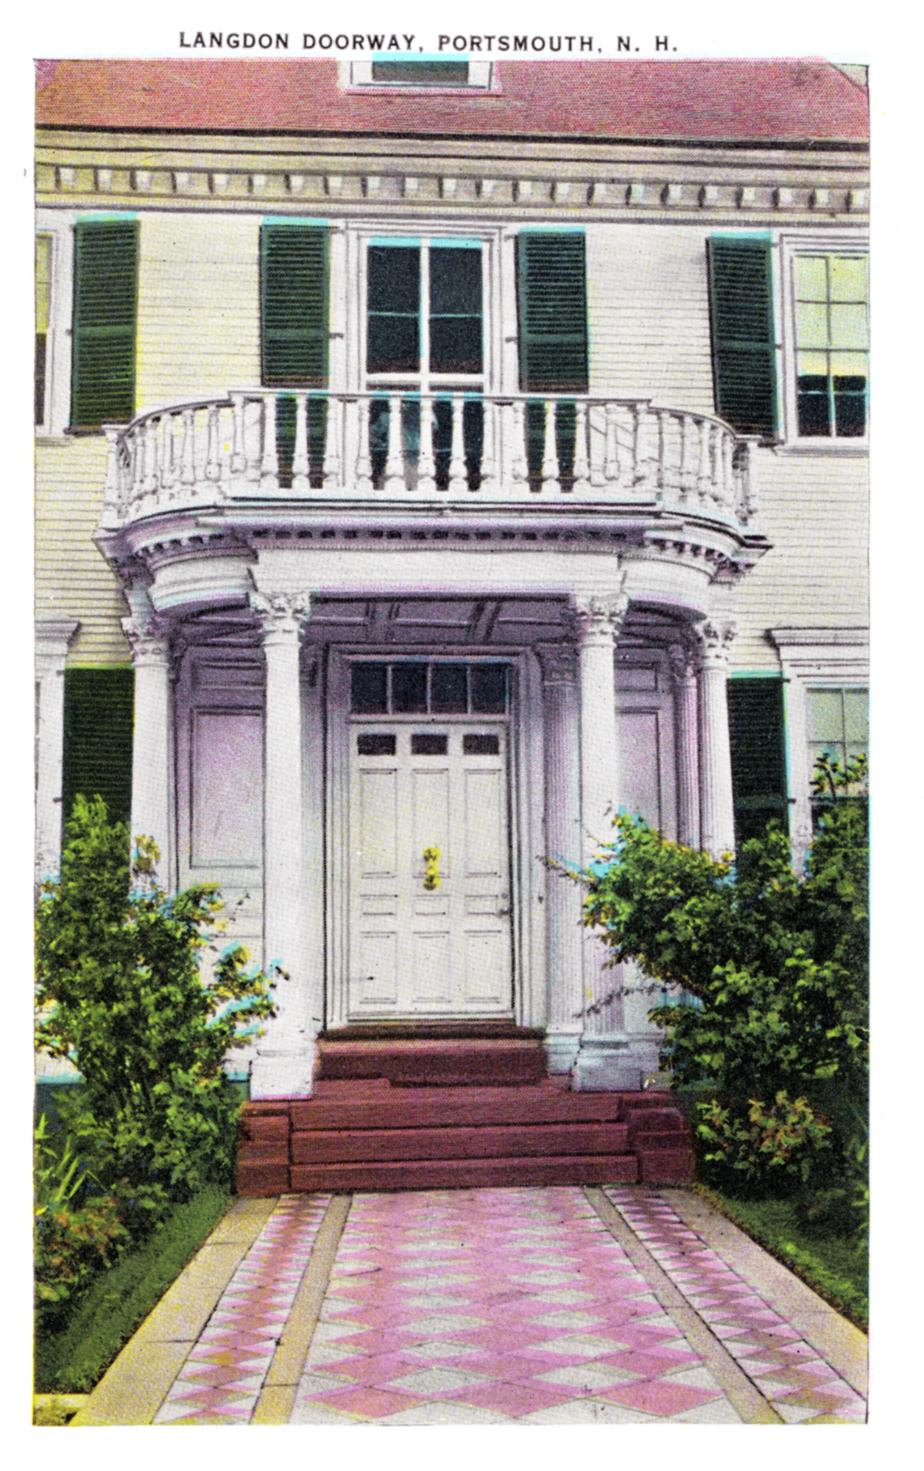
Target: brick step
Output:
{"points": [[420, 1062], [498, 1141], [666, 1166], [465, 1174], [445, 1108]]}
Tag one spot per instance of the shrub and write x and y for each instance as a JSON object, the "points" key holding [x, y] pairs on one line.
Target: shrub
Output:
{"points": [[774, 967], [121, 994]]}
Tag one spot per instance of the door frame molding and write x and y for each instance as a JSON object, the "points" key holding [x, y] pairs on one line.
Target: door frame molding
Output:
{"points": [[526, 827]]}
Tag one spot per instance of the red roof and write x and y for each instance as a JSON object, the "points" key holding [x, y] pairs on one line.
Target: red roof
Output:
{"points": [[744, 101]]}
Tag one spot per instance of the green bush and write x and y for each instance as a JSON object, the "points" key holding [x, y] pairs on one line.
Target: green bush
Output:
{"points": [[121, 993], [773, 965]]}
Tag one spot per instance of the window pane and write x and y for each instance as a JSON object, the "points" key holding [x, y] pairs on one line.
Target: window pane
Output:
{"points": [[394, 278], [448, 689], [455, 345], [428, 745], [409, 688], [481, 745], [811, 278], [811, 325], [455, 280], [368, 689], [489, 688], [376, 745], [42, 281], [849, 327], [814, 410], [849, 278], [849, 410], [421, 73], [826, 715], [394, 344], [856, 715]]}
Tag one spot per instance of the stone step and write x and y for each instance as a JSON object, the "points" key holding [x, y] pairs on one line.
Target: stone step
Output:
{"points": [[419, 1062], [466, 1174], [445, 1107], [505, 1140]]}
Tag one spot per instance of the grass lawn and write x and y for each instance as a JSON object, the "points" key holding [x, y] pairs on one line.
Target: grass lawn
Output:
{"points": [[73, 1358], [830, 1264]]}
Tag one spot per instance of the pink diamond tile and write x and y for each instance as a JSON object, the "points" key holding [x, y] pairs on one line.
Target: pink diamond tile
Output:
{"points": [[367, 1403], [658, 1396], [511, 1399]]}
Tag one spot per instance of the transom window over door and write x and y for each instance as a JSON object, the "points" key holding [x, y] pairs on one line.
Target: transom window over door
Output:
{"points": [[425, 343]]}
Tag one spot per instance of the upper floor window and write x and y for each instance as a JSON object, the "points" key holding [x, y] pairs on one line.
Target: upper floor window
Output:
{"points": [[831, 309], [425, 308]]}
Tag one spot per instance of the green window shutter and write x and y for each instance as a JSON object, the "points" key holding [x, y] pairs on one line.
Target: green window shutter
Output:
{"points": [[98, 715], [105, 306], [743, 350], [758, 752], [294, 292], [552, 303]]}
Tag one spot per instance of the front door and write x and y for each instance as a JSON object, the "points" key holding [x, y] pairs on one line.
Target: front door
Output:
{"points": [[430, 930]]}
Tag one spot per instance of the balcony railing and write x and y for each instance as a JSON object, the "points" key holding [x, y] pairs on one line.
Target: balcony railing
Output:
{"points": [[409, 449]]}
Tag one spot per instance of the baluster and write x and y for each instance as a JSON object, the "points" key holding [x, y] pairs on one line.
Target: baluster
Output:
{"points": [[458, 480], [332, 442], [300, 463], [113, 498], [394, 464], [661, 477], [551, 473], [363, 458], [705, 431], [269, 460], [747, 500], [238, 462], [612, 468], [426, 464], [687, 431], [188, 450], [639, 459], [581, 468], [489, 477], [168, 469], [150, 454], [728, 476], [212, 462], [519, 469]]}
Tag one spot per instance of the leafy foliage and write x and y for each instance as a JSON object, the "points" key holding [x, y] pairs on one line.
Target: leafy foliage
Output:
{"points": [[122, 995], [774, 965]]}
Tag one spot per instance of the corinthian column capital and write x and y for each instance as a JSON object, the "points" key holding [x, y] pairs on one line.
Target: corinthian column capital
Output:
{"points": [[598, 617], [715, 636], [559, 662], [149, 636], [281, 614]]}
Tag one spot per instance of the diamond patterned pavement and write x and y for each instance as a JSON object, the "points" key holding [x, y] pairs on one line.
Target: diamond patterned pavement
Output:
{"points": [[798, 1382], [485, 1306], [224, 1373]]}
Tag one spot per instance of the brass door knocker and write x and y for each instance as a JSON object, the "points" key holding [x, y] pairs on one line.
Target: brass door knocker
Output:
{"points": [[432, 858]]}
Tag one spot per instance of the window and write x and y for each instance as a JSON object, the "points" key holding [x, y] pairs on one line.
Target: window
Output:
{"points": [[42, 320], [831, 309], [421, 687], [420, 71]]}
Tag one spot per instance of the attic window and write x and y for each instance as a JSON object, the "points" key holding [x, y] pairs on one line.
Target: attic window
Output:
{"points": [[423, 72]]}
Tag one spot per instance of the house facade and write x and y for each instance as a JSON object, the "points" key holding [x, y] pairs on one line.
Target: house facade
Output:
{"points": [[432, 459]]}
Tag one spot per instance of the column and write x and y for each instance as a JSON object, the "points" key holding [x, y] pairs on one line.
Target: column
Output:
{"points": [[717, 813], [562, 841], [603, 1061], [52, 637], [152, 742], [682, 660], [283, 1065]]}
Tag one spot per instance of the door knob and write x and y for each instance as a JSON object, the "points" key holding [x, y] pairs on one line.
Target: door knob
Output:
{"points": [[431, 857]]}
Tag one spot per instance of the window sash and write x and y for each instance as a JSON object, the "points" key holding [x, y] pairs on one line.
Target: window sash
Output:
{"points": [[831, 337], [423, 376]]}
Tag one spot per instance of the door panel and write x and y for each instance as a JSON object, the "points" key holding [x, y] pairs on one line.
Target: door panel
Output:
{"points": [[443, 950]]}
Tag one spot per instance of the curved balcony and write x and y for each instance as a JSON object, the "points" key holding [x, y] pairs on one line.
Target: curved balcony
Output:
{"points": [[405, 452]]}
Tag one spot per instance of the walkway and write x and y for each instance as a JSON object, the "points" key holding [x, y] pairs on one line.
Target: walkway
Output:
{"points": [[541, 1306]]}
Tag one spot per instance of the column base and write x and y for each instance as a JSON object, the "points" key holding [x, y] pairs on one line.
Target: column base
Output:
{"points": [[561, 1050], [282, 1074], [606, 1064]]}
